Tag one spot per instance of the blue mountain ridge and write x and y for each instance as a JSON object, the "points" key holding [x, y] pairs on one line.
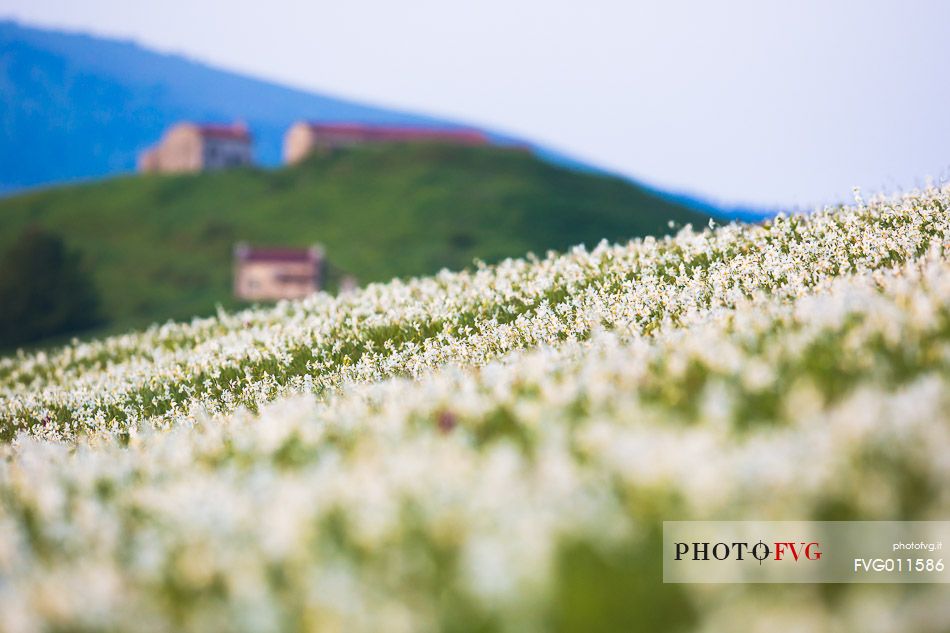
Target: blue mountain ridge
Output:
{"points": [[75, 107]]}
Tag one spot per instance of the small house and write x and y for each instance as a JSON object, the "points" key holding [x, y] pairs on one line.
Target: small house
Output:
{"points": [[305, 137], [190, 147], [272, 274]]}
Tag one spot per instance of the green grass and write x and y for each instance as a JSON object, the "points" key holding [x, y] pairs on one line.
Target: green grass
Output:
{"points": [[160, 246]]}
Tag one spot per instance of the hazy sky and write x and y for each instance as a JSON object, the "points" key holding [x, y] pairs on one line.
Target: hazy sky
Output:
{"points": [[777, 103]]}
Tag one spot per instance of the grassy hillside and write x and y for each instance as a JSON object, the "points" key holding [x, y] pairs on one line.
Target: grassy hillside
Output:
{"points": [[160, 246]]}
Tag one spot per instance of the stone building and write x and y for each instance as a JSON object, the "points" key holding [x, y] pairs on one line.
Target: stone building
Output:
{"points": [[189, 147], [304, 137], [271, 274]]}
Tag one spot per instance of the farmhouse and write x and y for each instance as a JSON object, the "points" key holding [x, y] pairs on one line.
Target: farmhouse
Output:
{"points": [[189, 147], [271, 274], [305, 137]]}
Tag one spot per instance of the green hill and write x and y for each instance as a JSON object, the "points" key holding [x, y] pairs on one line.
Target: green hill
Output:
{"points": [[160, 246]]}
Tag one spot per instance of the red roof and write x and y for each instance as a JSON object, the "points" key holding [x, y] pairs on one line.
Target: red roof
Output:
{"points": [[302, 255], [237, 131], [367, 132]]}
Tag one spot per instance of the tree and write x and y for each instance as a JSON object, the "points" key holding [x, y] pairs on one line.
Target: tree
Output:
{"points": [[44, 290]]}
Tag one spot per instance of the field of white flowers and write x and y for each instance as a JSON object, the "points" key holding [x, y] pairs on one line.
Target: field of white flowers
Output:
{"points": [[495, 450]]}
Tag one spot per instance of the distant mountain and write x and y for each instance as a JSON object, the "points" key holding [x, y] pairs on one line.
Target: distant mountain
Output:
{"points": [[74, 106]]}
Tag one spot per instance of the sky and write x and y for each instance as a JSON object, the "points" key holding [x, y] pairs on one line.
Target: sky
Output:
{"points": [[771, 104]]}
